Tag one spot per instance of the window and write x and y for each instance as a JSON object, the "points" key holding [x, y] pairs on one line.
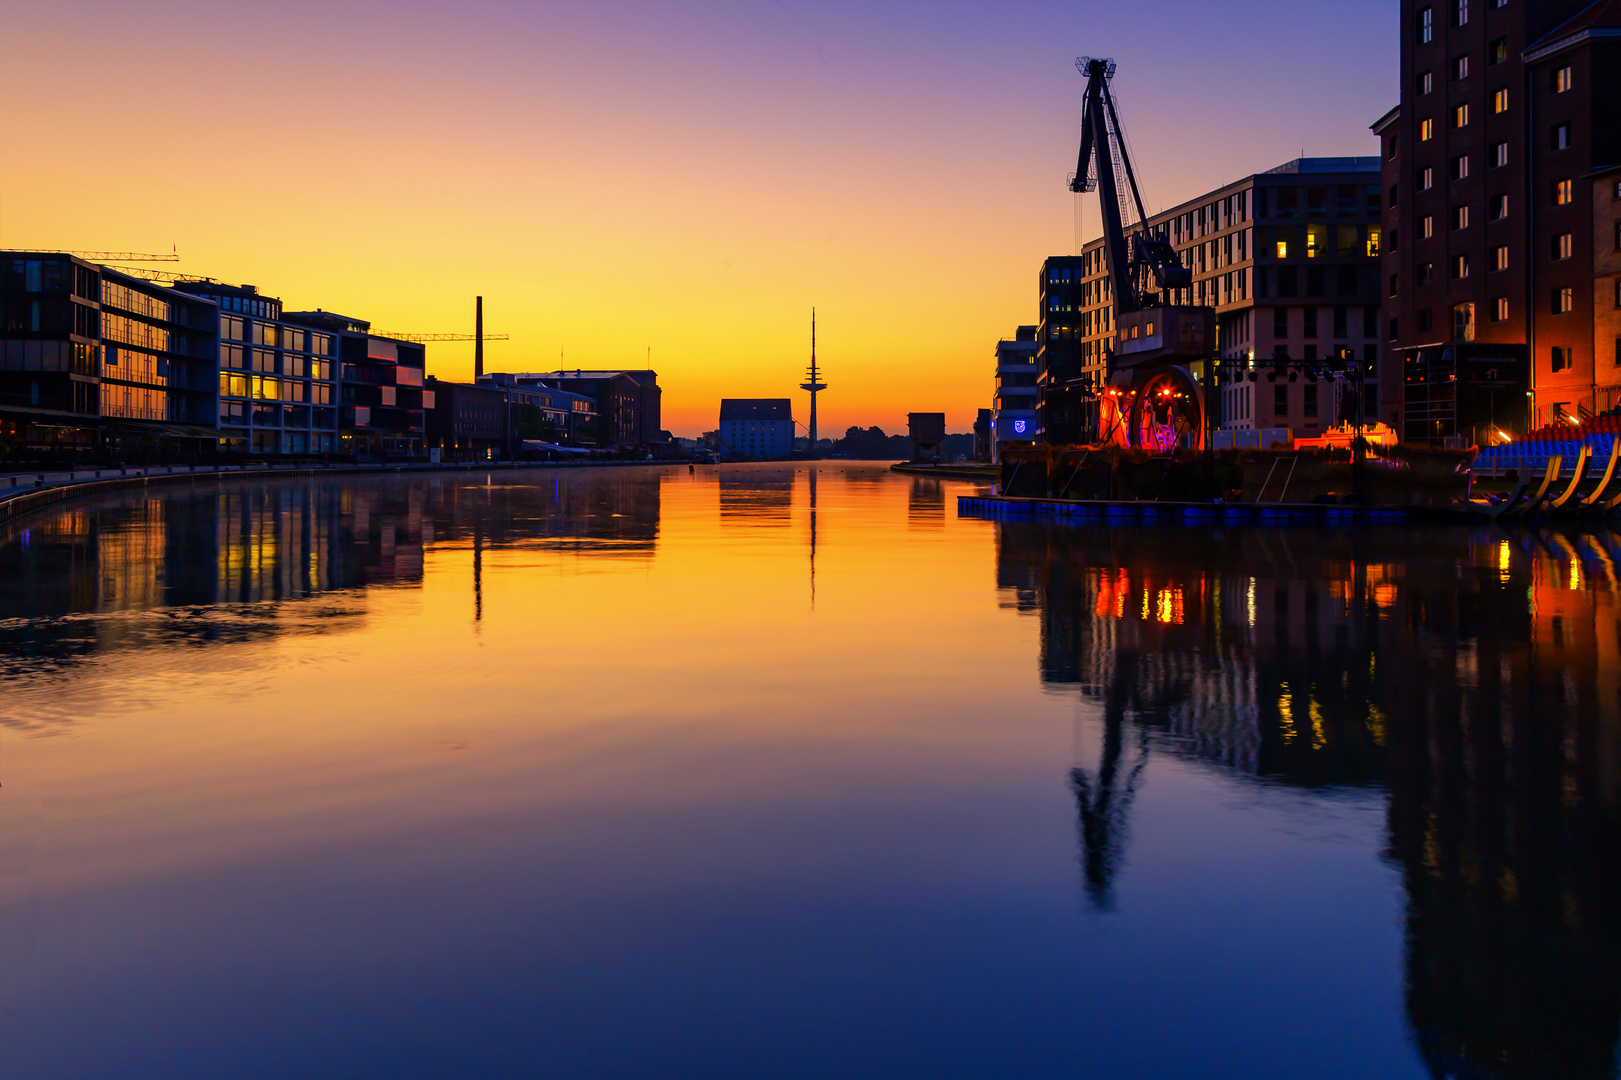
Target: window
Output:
{"points": [[1426, 179], [1500, 309], [1500, 101], [1460, 267], [1425, 84], [1311, 322], [1463, 322], [1426, 321], [1426, 26], [1395, 325], [1280, 322], [1426, 130], [1395, 239], [1460, 68], [1561, 246], [1499, 155], [1562, 79], [1497, 51], [1283, 249], [1395, 282], [1426, 227], [1564, 300], [1311, 400], [1460, 15], [1280, 401], [1460, 167], [1500, 257], [1460, 217], [1426, 273], [1374, 234], [1559, 358], [1341, 329], [1563, 192], [1499, 207], [1559, 137], [1618, 236], [1618, 292], [1460, 116]]}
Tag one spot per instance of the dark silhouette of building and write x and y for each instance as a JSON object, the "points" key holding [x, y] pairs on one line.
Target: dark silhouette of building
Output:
{"points": [[628, 403], [1013, 418], [467, 421], [1507, 109], [756, 427]]}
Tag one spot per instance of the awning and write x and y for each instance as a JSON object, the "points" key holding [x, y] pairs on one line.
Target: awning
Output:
{"points": [[536, 444]]}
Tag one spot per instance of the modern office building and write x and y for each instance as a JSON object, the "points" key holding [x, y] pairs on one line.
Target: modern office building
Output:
{"points": [[277, 382], [1509, 112], [756, 427], [1013, 414], [382, 403], [1289, 258], [95, 358]]}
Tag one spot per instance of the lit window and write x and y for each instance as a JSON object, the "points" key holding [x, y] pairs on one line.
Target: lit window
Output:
{"points": [[1426, 179], [1563, 192], [1460, 167], [1460, 267], [1425, 84], [1564, 300], [1283, 249], [1497, 51], [1500, 257], [1562, 246], [1426, 130], [1500, 309], [1427, 227], [1562, 80], [1499, 207], [1500, 101], [1460, 68], [1460, 116], [1461, 16], [1460, 217]]}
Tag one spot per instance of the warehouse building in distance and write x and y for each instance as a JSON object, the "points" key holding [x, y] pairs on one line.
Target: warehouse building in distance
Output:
{"points": [[756, 427]]}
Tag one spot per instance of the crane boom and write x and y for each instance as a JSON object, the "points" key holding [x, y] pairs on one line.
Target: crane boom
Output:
{"points": [[114, 256], [401, 335]]}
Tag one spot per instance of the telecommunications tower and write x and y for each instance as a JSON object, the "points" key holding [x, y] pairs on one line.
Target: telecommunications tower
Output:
{"points": [[814, 383]]}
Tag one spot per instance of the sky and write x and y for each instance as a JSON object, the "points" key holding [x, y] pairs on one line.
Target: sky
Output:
{"points": [[665, 185]]}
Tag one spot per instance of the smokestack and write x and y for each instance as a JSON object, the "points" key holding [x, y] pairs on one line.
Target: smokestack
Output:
{"points": [[478, 339]]}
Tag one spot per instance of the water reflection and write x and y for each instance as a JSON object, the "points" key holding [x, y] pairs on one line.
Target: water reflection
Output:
{"points": [[234, 562], [1473, 674]]}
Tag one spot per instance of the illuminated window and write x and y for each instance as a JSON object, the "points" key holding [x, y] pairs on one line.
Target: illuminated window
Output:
{"points": [[1499, 207], [1562, 80], [1283, 249], [1563, 192], [1500, 309], [1561, 246], [1426, 179], [1460, 217], [1373, 242], [1426, 130], [1460, 267], [1500, 101], [1460, 116], [1500, 257], [1460, 167], [1497, 51], [1564, 300], [1463, 322], [1460, 68], [1426, 227]]}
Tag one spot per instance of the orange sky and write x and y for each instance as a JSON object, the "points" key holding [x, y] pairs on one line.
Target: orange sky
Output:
{"points": [[690, 180]]}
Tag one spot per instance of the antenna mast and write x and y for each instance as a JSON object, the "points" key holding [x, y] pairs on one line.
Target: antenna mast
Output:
{"points": [[813, 383]]}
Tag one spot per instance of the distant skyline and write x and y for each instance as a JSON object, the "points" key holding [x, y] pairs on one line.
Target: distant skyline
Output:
{"points": [[687, 179]]}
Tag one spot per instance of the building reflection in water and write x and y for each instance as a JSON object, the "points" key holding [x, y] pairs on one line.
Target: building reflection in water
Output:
{"points": [[1472, 675], [239, 561]]}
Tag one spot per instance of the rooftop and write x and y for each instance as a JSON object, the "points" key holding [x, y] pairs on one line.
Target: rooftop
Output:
{"points": [[1327, 165], [756, 409]]}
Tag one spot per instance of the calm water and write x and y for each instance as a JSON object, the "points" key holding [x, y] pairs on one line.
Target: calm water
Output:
{"points": [[765, 772]]}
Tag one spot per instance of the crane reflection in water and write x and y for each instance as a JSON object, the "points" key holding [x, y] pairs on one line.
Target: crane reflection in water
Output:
{"points": [[1474, 677]]}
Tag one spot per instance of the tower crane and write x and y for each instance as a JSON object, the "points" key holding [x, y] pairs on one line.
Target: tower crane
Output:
{"points": [[1150, 399], [478, 337]]}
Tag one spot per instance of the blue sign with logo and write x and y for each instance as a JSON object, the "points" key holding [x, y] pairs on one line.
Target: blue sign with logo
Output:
{"points": [[1020, 426]]}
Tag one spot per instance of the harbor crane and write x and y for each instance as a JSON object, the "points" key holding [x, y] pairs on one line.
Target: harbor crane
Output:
{"points": [[478, 337], [1149, 399]]}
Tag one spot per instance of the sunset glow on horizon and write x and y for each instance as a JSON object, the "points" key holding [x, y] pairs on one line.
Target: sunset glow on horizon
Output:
{"points": [[662, 186]]}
